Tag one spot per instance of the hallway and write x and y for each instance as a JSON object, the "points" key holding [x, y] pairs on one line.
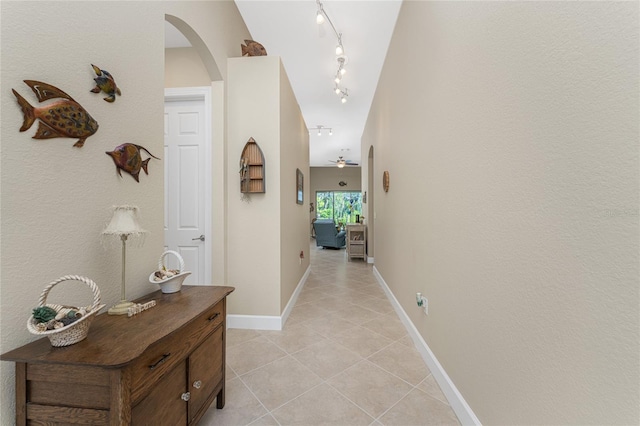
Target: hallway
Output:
{"points": [[343, 358]]}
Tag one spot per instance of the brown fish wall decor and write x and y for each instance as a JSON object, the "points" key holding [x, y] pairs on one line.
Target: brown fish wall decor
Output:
{"points": [[64, 118], [128, 157], [253, 48], [105, 83]]}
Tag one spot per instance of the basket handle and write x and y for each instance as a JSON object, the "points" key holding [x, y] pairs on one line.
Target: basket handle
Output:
{"points": [[96, 291], [176, 254]]}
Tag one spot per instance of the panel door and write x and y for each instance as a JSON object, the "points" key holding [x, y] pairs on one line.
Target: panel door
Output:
{"points": [[184, 153]]}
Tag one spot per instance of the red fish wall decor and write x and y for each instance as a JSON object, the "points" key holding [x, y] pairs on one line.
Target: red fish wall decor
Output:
{"points": [[105, 83], [128, 157], [64, 118]]}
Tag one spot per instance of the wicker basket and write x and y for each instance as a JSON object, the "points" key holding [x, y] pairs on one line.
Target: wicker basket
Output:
{"points": [[76, 331], [172, 284]]}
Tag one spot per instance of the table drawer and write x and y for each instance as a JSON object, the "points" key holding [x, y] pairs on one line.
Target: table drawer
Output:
{"points": [[355, 249], [166, 353]]}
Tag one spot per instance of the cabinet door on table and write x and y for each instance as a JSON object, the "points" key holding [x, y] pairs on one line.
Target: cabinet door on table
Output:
{"points": [[164, 404], [205, 371]]}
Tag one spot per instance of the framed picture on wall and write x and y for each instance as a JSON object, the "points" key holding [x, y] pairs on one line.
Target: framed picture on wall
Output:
{"points": [[299, 186]]}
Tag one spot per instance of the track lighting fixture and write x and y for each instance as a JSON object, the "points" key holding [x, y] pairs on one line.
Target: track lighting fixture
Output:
{"points": [[321, 16], [320, 128], [343, 96]]}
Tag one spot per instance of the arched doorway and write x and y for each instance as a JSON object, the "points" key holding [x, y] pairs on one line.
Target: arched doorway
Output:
{"points": [[194, 105]]}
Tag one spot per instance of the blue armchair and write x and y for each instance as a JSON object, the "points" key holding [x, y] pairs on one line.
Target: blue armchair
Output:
{"points": [[327, 235]]}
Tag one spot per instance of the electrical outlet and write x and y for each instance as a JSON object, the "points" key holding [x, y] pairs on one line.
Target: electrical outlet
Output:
{"points": [[422, 302]]}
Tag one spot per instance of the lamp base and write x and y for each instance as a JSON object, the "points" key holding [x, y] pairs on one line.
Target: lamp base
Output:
{"points": [[122, 308]]}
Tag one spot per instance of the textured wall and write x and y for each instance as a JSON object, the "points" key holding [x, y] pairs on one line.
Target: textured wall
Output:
{"points": [[183, 67], [263, 268], [514, 176], [294, 154], [254, 222], [327, 179], [56, 199]]}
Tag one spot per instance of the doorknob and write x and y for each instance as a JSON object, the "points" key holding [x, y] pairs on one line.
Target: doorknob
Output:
{"points": [[201, 238]]}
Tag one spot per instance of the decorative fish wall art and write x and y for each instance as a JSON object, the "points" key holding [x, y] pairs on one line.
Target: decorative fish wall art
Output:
{"points": [[253, 48], [105, 83], [128, 157], [64, 118]]}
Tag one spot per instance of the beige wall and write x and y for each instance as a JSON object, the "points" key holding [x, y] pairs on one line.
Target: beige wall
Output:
{"points": [[183, 67], [294, 152], [215, 28], [327, 179], [515, 135], [260, 265], [56, 199]]}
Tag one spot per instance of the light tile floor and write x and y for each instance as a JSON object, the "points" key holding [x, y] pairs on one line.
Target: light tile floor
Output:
{"points": [[343, 358]]}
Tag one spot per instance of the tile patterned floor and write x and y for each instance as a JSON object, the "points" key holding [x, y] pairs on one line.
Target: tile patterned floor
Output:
{"points": [[343, 358]]}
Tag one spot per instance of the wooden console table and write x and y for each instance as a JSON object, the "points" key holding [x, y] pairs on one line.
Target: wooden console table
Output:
{"points": [[163, 366]]}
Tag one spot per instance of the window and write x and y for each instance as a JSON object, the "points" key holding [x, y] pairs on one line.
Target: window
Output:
{"points": [[341, 206]]}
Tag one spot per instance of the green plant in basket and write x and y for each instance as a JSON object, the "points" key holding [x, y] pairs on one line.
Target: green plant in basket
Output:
{"points": [[44, 314]]}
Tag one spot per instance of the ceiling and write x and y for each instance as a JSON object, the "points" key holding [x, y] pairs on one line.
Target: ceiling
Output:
{"points": [[288, 29]]}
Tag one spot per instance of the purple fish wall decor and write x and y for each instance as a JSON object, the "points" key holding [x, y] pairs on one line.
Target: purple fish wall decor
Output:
{"points": [[64, 118], [253, 48], [128, 157], [105, 83]]}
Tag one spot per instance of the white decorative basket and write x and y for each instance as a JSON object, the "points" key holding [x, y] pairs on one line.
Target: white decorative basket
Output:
{"points": [[172, 284], [76, 331]]}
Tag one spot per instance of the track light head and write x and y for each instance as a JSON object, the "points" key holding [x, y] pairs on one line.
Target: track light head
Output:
{"points": [[319, 128], [320, 17]]}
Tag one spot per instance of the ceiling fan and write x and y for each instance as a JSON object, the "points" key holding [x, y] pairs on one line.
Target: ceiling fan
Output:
{"points": [[341, 162]]}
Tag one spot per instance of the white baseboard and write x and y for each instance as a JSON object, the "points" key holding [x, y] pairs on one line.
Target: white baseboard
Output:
{"points": [[369, 259], [267, 322], [457, 402], [294, 297], [254, 322]]}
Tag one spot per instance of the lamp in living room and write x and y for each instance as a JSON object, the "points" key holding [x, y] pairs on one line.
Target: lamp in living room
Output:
{"points": [[123, 225]]}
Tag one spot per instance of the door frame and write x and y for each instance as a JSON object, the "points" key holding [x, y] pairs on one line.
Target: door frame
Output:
{"points": [[201, 94]]}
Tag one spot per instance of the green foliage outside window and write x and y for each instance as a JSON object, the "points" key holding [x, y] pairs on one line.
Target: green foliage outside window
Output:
{"points": [[341, 206]]}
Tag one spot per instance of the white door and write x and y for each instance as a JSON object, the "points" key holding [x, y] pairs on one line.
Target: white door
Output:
{"points": [[186, 155]]}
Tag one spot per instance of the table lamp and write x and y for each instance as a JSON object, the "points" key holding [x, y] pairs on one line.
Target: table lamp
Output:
{"points": [[123, 224]]}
